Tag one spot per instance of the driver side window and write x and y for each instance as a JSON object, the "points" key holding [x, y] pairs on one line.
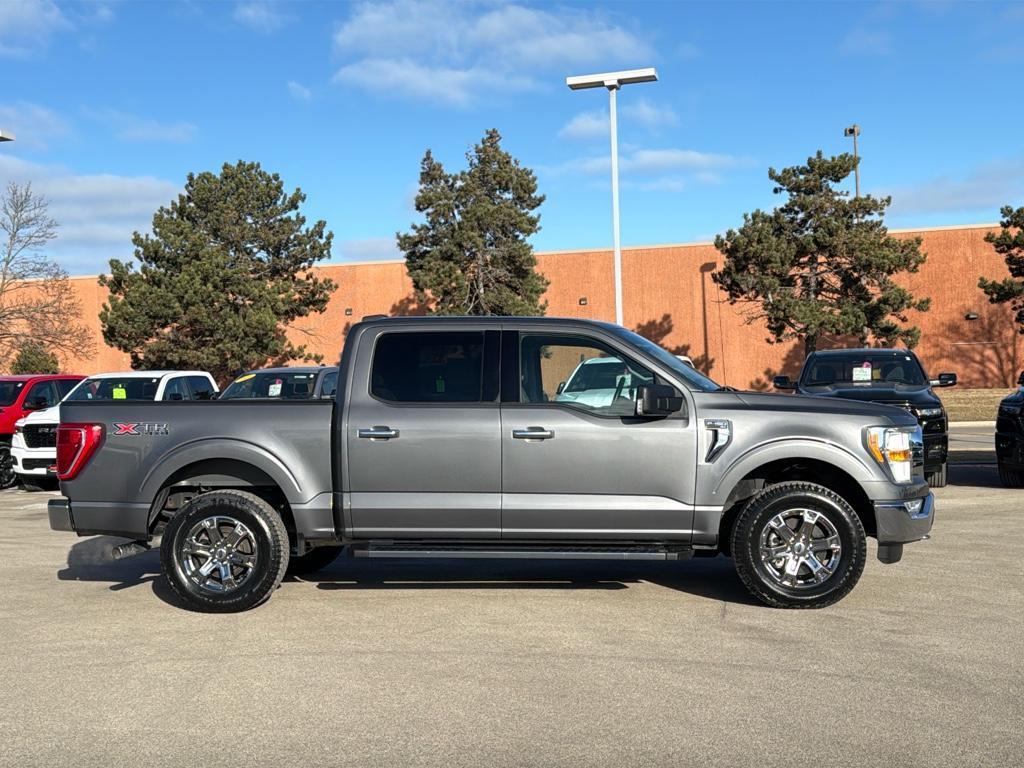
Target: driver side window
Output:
{"points": [[579, 372]]}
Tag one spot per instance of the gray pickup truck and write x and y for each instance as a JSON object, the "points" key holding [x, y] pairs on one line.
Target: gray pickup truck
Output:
{"points": [[455, 437]]}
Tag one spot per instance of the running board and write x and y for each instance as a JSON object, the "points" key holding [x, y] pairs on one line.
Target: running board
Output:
{"points": [[523, 553]]}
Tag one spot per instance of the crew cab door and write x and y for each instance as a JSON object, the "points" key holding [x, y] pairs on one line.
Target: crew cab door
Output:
{"points": [[576, 461], [423, 434]]}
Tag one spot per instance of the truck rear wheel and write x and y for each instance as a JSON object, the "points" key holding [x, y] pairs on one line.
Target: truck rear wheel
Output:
{"points": [[224, 551], [799, 545]]}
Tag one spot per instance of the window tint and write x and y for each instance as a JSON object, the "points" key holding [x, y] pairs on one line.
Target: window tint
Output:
{"points": [[428, 367], [176, 389], [281, 385], [9, 391], [115, 389], [863, 368], [579, 372], [201, 387], [329, 385], [41, 394], [64, 386]]}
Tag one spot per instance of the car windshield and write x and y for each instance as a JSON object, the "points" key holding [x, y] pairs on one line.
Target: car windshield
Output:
{"points": [[284, 385], [596, 374], [115, 389], [691, 376], [863, 368], [9, 391]]}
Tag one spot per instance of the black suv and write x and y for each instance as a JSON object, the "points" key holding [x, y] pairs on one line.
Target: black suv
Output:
{"points": [[1010, 438], [887, 376]]}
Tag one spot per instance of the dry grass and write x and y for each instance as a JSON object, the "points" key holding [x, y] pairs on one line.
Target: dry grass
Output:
{"points": [[971, 404]]}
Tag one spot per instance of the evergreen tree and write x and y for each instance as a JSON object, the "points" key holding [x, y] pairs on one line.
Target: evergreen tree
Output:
{"points": [[471, 255], [33, 357], [227, 268], [822, 264], [1010, 245]]}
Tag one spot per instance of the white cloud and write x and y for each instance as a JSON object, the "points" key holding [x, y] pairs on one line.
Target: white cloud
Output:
{"points": [[26, 26], [454, 51], [369, 249], [594, 124], [32, 124], [261, 15], [651, 162], [127, 127], [298, 91], [97, 213], [985, 188]]}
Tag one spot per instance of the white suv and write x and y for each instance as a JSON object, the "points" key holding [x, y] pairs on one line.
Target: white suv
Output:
{"points": [[34, 444]]}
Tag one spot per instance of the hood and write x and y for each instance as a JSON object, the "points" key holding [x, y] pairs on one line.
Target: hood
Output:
{"points": [[49, 415], [770, 401], [1014, 398], [882, 392]]}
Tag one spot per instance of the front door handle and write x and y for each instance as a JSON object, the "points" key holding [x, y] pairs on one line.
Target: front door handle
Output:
{"points": [[378, 433], [533, 433]]}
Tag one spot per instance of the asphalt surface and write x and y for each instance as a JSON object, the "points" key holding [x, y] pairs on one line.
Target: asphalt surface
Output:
{"points": [[972, 442], [477, 663]]}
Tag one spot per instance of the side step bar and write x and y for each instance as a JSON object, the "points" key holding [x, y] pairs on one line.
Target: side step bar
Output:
{"points": [[523, 553]]}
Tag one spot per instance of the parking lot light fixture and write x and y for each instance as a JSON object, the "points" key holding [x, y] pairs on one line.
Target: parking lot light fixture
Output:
{"points": [[854, 131], [6, 136], [613, 81]]}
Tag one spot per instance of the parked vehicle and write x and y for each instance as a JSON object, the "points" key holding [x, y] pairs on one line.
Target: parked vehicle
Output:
{"points": [[445, 439], [887, 376], [19, 396], [34, 446], [295, 383], [1010, 437]]}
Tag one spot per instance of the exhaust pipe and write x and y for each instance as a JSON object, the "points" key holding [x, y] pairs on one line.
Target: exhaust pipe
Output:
{"points": [[129, 549]]}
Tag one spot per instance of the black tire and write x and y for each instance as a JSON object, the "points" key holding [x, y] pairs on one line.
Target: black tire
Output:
{"points": [[754, 520], [266, 536], [8, 477], [937, 479], [314, 560], [1011, 478]]}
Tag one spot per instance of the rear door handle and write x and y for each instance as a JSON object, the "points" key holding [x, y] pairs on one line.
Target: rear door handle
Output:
{"points": [[378, 433], [533, 433]]}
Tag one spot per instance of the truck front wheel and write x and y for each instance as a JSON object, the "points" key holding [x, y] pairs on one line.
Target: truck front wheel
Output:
{"points": [[798, 545], [224, 552]]}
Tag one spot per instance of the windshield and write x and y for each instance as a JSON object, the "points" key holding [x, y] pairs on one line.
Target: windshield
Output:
{"points": [[283, 385], [863, 368], [115, 389], [9, 391], [691, 376]]}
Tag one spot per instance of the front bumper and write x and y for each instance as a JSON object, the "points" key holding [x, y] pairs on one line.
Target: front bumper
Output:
{"points": [[905, 520], [35, 462]]}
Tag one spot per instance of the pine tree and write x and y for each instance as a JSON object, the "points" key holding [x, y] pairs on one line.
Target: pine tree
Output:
{"points": [[33, 357], [471, 255], [227, 268], [1010, 245], [822, 264]]}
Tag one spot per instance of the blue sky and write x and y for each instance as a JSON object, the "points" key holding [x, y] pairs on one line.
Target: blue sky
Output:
{"points": [[114, 103]]}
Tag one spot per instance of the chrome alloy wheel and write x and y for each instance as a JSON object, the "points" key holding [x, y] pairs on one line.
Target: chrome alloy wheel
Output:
{"points": [[218, 554], [800, 548]]}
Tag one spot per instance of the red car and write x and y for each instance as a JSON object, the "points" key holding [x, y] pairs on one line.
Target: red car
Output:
{"points": [[18, 396]]}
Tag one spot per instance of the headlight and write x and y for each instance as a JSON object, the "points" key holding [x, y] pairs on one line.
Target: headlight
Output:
{"points": [[928, 413], [892, 447]]}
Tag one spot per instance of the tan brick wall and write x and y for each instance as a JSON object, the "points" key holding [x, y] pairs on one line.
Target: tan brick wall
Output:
{"points": [[669, 294]]}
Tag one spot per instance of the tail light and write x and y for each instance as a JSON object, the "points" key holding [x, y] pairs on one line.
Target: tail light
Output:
{"points": [[76, 443]]}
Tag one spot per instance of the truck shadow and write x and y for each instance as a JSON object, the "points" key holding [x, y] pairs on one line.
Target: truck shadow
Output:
{"points": [[711, 578], [91, 560]]}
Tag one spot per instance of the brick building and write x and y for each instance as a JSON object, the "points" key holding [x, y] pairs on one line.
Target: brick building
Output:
{"points": [[669, 296]]}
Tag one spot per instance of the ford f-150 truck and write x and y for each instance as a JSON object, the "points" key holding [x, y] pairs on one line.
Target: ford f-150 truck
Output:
{"points": [[447, 438]]}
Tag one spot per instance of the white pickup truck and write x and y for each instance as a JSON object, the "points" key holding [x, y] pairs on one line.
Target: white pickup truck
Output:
{"points": [[34, 444]]}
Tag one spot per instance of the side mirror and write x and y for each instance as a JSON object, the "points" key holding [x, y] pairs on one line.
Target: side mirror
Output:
{"points": [[37, 405], [783, 382], [561, 387], [945, 380], [657, 400], [1020, 379]]}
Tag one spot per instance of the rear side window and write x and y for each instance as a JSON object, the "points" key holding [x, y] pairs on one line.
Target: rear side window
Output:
{"points": [[201, 387], [330, 384], [428, 367], [176, 390]]}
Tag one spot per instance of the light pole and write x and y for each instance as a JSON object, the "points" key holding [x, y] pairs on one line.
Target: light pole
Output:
{"points": [[6, 136], [854, 130], [613, 81]]}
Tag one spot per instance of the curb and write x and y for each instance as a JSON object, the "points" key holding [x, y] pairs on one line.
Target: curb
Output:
{"points": [[973, 424]]}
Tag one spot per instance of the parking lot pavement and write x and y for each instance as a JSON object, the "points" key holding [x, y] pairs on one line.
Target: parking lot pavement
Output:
{"points": [[972, 442], [478, 663]]}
